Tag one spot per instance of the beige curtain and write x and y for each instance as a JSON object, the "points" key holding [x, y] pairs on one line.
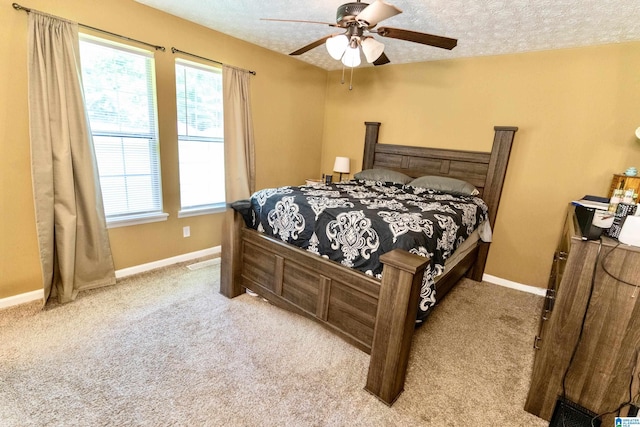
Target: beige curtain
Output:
{"points": [[74, 246], [239, 152]]}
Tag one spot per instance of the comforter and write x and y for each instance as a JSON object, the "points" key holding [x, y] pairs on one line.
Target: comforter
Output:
{"points": [[355, 222]]}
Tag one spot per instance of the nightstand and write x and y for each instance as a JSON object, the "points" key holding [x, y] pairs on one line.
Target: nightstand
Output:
{"points": [[313, 182]]}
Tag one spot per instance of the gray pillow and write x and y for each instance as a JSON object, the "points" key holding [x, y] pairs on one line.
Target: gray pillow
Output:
{"points": [[450, 185], [386, 175]]}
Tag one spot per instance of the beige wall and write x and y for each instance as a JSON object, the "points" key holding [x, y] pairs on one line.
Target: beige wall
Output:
{"points": [[288, 99], [577, 110]]}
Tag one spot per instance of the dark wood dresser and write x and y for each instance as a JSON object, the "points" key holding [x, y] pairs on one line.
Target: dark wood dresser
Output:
{"points": [[600, 375]]}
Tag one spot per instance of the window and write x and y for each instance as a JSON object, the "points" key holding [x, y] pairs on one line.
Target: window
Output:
{"points": [[200, 138], [119, 90]]}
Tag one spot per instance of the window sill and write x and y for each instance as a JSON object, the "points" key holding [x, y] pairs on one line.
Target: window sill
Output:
{"points": [[137, 219], [184, 213]]}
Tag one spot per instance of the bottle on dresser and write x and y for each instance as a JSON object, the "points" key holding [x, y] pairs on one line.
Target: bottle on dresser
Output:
{"points": [[616, 199], [629, 197]]}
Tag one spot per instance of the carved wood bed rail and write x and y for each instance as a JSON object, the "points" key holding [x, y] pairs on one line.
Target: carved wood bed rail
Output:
{"points": [[375, 316]]}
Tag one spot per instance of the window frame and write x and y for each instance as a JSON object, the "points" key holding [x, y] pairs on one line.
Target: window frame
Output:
{"points": [[153, 136], [210, 208]]}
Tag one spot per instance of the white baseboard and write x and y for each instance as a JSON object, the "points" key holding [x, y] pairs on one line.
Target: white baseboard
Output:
{"points": [[167, 261], [513, 285], [39, 294], [21, 298]]}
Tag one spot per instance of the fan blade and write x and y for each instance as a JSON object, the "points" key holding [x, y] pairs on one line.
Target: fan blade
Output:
{"points": [[311, 46], [416, 37], [377, 11], [298, 20], [382, 59]]}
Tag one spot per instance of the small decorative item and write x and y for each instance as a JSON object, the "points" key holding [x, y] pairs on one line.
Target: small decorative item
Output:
{"points": [[631, 171], [328, 179]]}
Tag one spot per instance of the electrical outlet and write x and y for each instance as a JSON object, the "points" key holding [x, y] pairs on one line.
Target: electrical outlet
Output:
{"points": [[186, 231]]}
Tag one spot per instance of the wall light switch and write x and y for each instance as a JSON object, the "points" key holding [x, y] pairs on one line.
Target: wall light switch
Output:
{"points": [[186, 231]]}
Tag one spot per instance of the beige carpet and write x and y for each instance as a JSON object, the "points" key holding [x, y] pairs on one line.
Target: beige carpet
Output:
{"points": [[166, 349]]}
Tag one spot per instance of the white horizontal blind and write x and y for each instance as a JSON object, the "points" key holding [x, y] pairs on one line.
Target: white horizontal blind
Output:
{"points": [[119, 90], [200, 135]]}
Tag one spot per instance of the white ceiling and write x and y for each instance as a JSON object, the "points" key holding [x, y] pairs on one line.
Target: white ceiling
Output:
{"points": [[482, 27]]}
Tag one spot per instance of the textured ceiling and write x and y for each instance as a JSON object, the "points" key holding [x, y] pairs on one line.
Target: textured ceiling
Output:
{"points": [[482, 27]]}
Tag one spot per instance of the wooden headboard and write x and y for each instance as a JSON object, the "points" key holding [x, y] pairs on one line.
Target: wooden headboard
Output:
{"points": [[486, 171]]}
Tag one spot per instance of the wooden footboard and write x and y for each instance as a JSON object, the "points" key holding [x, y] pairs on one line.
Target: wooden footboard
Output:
{"points": [[375, 316]]}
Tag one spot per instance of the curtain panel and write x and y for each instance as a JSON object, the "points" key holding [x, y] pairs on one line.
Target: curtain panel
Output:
{"points": [[239, 151], [75, 253]]}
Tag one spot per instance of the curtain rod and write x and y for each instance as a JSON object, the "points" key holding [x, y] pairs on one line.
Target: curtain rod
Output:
{"points": [[174, 50], [16, 6]]}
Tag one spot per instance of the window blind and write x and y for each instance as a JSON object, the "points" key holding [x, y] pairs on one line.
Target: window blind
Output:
{"points": [[120, 98], [200, 135]]}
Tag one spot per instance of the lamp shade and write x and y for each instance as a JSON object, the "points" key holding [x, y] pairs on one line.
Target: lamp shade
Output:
{"points": [[372, 49], [341, 165], [351, 57], [336, 45]]}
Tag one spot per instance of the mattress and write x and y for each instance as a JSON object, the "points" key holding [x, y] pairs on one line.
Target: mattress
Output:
{"points": [[482, 233], [355, 222]]}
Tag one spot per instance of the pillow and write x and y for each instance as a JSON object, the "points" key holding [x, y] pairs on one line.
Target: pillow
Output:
{"points": [[386, 175], [442, 183]]}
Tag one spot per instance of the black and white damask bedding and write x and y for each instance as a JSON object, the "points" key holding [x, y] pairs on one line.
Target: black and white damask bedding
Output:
{"points": [[355, 222]]}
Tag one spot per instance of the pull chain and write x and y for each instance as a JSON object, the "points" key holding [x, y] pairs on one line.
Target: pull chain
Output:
{"points": [[351, 81]]}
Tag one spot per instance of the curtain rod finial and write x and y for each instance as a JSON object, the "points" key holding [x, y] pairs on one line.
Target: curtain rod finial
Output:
{"points": [[16, 6]]}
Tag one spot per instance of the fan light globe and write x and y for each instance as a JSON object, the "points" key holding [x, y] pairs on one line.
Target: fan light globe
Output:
{"points": [[351, 57], [372, 49], [336, 45]]}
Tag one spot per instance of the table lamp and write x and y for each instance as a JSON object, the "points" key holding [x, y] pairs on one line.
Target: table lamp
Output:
{"points": [[341, 166]]}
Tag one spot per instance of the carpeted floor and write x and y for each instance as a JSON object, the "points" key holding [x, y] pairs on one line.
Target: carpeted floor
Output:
{"points": [[166, 349]]}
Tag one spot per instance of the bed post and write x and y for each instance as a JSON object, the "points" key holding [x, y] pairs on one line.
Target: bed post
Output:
{"points": [[395, 322], [231, 254], [370, 140], [502, 142]]}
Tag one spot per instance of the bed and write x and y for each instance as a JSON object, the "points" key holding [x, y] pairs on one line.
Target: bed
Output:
{"points": [[376, 315]]}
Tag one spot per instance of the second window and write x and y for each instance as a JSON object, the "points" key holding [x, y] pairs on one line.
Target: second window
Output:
{"points": [[200, 137]]}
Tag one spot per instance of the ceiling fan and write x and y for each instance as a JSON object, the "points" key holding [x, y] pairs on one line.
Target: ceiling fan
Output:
{"points": [[358, 21]]}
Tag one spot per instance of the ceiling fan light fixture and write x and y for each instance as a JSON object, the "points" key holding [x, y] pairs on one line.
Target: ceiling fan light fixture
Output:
{"points": [[356, 19], [337, 45], [372, 49], [351, 57]]}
